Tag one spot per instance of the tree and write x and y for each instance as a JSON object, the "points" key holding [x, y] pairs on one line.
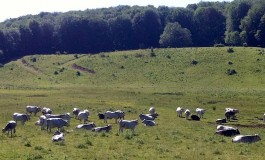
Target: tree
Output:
{"points": [[233, 38], [209, 26], [147, 28], [175, 36]]}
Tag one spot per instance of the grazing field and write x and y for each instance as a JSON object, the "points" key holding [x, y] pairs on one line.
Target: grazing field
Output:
{"points": [[133, 81]]}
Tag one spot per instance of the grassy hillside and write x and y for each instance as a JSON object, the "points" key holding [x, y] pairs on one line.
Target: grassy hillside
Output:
{"points": [[133, 81]]}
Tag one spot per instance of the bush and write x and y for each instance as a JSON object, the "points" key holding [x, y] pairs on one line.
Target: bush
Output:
{"points": [[33, 59], [78, 73], [55, 73]]}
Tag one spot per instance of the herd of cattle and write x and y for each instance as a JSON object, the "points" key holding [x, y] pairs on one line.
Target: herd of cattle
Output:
{"points": [[47, 121], [230, 113]]}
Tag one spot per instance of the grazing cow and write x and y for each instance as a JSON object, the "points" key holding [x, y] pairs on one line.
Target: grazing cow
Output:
{"points": [[75, 112], [195, 117], [83, 115], [222, 127], [101, 116], [10, 127], [21, 117], [187, 113], [127, 124], [148, 122], [228, 133], [58, 123], [179, 111], [46, 110], [33, 109], [220, 121], [116, 115], [233, 111], [146, 117], [152, 110], [42, 122], [88, 126], [57, 136], [106, 128], [246, 138], [200, 112]]}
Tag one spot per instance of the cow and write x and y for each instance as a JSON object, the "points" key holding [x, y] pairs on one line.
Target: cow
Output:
{"points": [[200, 112], [152, 110], [222, 127], [88, 126], [33, 109], [233, 111], [220, 121], [148, 122], [106, 128], [42, 122], [179, 111], [195, 117], [101, 116], [187, 113], [46, 110], [230, 114], [21, 117], [83, 115], [65, 116], [146, 117], [58, 136], [58, 123], [246, 138], [75, 112], [127, 124], [10, 127], [228, 133], [118, 114]]}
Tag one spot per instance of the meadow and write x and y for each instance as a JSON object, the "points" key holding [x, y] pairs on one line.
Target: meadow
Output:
{"points": [[133, 81]]}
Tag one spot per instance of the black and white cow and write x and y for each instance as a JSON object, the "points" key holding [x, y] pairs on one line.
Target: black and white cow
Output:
{"points": [[58, 136], [246, 138], [195, 117], [228, 133], [46, 110], [148, 122], [75, 112], [10, 127], [83, 115], [101, 116], [146, 117]]}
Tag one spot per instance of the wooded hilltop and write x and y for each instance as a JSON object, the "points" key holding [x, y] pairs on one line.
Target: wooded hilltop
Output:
{"points": [[205, 24]]}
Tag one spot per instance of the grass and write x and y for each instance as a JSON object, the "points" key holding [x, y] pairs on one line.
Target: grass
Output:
{"points": [[133, 81]]}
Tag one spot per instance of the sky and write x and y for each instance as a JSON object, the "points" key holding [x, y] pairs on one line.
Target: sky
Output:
{"points": [[17, 8]]}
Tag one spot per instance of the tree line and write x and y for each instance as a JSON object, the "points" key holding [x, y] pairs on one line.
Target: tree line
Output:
{"points": [[237, 23]]}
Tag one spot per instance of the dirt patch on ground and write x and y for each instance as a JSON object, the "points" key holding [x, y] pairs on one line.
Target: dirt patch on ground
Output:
{"points": [[30, 67], [80, 68]]}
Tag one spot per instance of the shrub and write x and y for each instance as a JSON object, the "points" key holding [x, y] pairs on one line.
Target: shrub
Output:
{"points": [[55, 73], [33, 59], [231, 72], [152, 54]]}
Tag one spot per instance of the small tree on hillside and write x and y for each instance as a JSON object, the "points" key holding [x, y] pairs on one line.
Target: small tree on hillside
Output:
{"points": [[175, 36]]}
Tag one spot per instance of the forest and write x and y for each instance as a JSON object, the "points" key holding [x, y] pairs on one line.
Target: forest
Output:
{"points": [[205, 24]]}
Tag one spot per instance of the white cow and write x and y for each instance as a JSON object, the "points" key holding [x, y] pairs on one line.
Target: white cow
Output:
{"points": [[149, 122], [127, 124], [33, 109], [75, 112], [57, 136], [21, 117], [10, 127], [42, 122], [88, 126], [58, 123], [179, 111], [187, 113], [106, 128], [65, 116], [116, 115], [83, 115], [246, 138], [222, 127], [200, 112], [152, 110], [46, 110], [146, 117]]}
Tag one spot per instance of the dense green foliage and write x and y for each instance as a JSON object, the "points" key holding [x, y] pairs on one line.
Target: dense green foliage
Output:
{"points": [[124, 28], [133, 81]]}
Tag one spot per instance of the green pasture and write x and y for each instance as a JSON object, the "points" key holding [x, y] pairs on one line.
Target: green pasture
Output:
{"points": [[133, 81]]}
